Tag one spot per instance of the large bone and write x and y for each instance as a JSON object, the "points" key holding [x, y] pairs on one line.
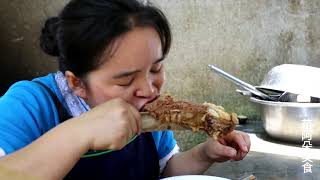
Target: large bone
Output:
{"points": [[164, 113]]}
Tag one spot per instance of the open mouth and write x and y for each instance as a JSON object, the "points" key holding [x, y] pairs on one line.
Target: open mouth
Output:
{"points": [[142, 109]]}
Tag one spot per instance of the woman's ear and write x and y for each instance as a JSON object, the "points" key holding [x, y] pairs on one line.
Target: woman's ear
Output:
{"points": [[76, 85]]}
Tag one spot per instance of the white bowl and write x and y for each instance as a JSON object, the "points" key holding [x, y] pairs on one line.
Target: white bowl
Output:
{"points": [[293, 78], [195, 177]]}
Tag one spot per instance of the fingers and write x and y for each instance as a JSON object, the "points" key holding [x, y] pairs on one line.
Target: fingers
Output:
{"points": [[122, 119], [238, 138], [241, 141], [132, 116], [230, 152], [219, 152], [137, 119], [222, 141], [247, 140]]}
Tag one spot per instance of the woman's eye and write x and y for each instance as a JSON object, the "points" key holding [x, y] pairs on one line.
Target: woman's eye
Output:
{"points": [[127, 84], [124, 84], [156, 68]]}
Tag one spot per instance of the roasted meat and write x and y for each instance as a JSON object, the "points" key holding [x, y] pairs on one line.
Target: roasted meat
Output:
{"points": [[166, 113]]}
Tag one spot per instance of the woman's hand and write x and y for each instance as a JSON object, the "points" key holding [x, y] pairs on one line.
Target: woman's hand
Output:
{"points": [[234, 146], [197, 160], [109, 125]]}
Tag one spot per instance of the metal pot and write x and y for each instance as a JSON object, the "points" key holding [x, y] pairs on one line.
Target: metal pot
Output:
{"points": [[293, 78], [286, 120]]}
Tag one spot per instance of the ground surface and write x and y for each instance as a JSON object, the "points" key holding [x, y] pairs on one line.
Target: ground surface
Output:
{"points": [[268, 158]]}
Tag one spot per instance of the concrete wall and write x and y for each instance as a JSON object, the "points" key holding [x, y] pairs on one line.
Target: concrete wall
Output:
{"points": [[243, 37], [20, 27]]}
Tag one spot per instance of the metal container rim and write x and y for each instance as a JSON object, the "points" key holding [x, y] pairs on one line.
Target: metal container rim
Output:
{"points": [[285, 104]]}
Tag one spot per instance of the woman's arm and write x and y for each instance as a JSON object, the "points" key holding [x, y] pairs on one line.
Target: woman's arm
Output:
{"points": [[198, 159], [188, 162], [49, 157], [107, 126]]}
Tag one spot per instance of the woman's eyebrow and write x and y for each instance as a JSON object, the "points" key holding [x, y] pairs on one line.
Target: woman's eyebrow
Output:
{"points": [[159, 60], [125, 74]]}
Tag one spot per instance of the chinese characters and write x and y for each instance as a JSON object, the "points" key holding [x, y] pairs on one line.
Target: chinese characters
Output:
{"points": [[306, 137]]}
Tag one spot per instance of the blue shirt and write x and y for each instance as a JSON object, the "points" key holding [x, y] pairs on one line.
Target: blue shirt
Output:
{"points": [[27, 112]]}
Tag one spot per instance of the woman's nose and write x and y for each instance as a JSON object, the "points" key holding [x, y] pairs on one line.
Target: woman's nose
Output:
{"points": [[146, 89]]}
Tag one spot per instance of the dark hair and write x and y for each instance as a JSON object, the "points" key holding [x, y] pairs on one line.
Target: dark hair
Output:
{"points": [[86, 28]]}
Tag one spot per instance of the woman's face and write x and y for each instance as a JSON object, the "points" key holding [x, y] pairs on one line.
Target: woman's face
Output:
{"points": [[134, 71]]}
